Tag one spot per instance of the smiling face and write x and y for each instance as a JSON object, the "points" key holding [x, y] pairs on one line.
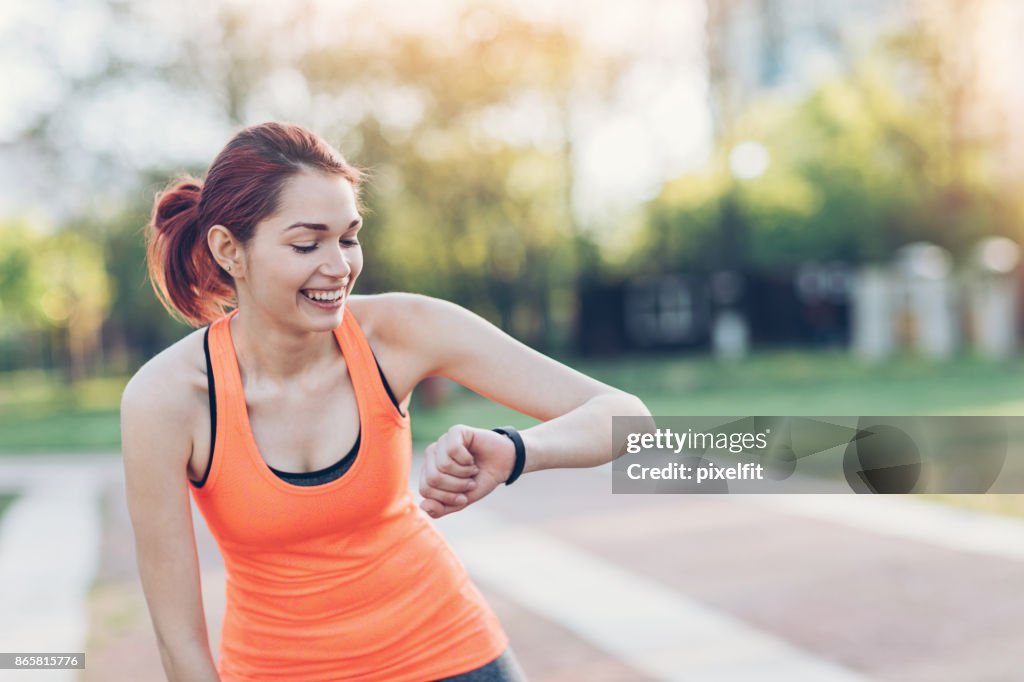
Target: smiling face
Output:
{"points": [[303, 261]]}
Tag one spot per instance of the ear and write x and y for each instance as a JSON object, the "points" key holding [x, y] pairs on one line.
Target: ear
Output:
{"points": [[226, 250]]}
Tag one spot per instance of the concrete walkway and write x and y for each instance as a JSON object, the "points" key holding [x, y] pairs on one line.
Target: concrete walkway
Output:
{"points": [[653, 628], [864, 583], [49, 553], [595, 586]]}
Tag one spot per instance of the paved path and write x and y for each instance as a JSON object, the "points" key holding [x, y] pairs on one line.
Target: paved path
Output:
{"points": [[639, 620], [49, 553], [863, 582], [640, 587]]}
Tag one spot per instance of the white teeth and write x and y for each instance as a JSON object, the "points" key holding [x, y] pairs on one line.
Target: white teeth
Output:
{"points": [[323, 295]]}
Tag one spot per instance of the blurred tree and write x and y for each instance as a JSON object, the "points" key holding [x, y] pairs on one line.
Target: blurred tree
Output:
{"points": [[76, 297], [859, 166], [473, 188], [57, 285], [19, 306], [940, 61], [465, 129]]}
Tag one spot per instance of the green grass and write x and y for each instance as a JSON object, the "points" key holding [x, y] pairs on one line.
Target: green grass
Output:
{"points": [[60, 430], [819, 384], [28, 390], [39, 413]]}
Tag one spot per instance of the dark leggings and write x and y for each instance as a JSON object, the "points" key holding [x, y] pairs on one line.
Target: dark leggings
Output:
{"points": [[504, 668]]}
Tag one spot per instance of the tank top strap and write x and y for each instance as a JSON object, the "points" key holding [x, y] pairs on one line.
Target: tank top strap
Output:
{"points": [[228, 398], [366, 377], [225, 371]]}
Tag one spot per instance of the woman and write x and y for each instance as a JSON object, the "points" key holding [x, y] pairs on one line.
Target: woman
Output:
{"points": [[333, 573]]}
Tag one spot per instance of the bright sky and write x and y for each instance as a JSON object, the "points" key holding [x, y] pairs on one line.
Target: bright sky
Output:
{"points": [[655, 126], [658, 125]]}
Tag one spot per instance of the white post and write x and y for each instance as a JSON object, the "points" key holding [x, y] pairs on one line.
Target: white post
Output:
{"points": [[933, 309], [730, 338], [994, 316], [873, 313]]}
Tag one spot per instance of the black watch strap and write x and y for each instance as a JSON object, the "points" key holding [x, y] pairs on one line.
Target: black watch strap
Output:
{"points": [[517, 441]]}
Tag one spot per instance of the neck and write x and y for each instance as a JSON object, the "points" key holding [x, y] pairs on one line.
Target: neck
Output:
{"points": [[271, 353]]}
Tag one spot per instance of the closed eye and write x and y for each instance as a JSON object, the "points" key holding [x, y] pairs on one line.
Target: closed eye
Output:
{"points": [[300, 248]]}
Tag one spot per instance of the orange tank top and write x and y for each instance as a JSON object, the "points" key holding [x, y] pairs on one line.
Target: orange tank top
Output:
{"points": [[347, 580]]}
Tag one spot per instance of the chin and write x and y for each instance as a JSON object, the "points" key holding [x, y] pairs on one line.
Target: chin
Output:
{"points": [[324, 321]]}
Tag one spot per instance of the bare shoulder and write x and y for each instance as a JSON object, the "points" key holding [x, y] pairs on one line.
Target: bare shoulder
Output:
{"points": [[165, 395], [394, 319], [440, 338], [396, 325], [385, 312], [432, 336], [170, 374]]}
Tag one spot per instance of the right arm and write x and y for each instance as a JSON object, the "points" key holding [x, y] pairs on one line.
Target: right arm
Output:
{"points": [[156, 446]]}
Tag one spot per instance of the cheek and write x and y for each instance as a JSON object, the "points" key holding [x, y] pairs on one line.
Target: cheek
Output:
{"points": [[356, 263], [290, 274]]}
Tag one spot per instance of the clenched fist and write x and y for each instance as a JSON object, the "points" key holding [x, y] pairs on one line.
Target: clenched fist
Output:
{"points": [[463, 466]]}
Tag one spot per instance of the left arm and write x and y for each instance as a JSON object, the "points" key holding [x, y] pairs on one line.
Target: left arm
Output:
{"points": [[575, 410]]}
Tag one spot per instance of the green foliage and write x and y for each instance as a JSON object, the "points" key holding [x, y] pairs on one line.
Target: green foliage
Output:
{"points": [[465, 129], [21, 277], [858, 167], [57, 285], [467, 202], [461, 207]]}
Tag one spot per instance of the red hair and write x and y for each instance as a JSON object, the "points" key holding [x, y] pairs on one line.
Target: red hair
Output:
{"points": [[242, 187]]}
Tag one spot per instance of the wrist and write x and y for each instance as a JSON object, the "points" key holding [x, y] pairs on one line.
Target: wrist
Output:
{"points": [[519, 452]]}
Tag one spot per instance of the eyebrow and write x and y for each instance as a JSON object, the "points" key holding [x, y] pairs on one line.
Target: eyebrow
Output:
{"points": [[320, 227]]}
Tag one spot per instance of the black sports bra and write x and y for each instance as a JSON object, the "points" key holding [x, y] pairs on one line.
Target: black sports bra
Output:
{"points": [[307, 478]]}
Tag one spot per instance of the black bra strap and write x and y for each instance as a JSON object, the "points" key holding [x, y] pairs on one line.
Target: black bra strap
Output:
{"points": [[387, 386], [213, 407]]}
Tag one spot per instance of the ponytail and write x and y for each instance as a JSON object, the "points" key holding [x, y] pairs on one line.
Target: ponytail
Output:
{"points": [[186, 279]]}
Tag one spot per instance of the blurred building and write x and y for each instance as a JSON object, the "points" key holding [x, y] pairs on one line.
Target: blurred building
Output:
{"points": [[726, 311], [787, 46]]}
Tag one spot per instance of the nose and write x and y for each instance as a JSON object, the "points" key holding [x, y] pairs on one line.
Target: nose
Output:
{"points": [[336, 264]]}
